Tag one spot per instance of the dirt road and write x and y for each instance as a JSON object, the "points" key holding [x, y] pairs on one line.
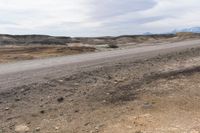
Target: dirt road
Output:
{"points": [[26, 72], [150, 89]]}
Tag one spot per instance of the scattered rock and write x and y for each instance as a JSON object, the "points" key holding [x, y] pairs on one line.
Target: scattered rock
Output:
{"points": [[119, 80], [76, 111], [147, 106], [61, 99], [7, 108], [57, 128], [17, 99], [129, 127], [109, 77], [76, 84], [71, 100], [22, 90], [97, 128], [22, 128], [37, 129], [42, 111], [86, 124], [61, 114], [115, 82], [61, 81]]}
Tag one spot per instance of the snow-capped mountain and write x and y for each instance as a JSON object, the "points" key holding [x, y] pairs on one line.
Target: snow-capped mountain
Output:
{"points": [[193, 30]]}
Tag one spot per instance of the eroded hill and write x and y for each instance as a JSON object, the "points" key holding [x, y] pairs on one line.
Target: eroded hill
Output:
{"points": [[53, 40]]}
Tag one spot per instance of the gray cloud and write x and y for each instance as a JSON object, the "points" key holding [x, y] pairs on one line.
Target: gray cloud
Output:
{"points": [[102, 9], [95, 17]]}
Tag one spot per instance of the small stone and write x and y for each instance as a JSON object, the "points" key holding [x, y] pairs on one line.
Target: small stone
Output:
{"points": [[22, 128], [104, 101], [7, 108], [57, 128], [115, 82], [37, 129], [97, 128], [60, 80], [42, 111], [76, 84], [61, 99], [147, 106], [17, 99], [71, 100], [76, 111], [86, 123], [129, 127]]}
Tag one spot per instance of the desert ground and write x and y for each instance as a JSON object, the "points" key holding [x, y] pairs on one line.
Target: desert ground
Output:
{"points": [[150, 86], [19, 53], [28, 47]]}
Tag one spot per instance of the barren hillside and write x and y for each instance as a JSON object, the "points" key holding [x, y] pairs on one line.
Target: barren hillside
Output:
{"points": [[50, 40]]}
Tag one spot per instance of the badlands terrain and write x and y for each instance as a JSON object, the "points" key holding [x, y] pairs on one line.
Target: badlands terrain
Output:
{"points": [[126, 84], [27, 47]]}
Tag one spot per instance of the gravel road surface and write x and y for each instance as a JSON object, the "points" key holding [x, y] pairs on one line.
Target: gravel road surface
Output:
{"points": [[33, 71]]}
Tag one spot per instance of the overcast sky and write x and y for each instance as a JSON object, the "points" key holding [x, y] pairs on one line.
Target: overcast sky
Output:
{"points": [[97, 17]]}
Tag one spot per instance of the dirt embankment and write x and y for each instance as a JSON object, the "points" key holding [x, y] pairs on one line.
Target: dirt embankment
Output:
{"points": [[155, 95]]}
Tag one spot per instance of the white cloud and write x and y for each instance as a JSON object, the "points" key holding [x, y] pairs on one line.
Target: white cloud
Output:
{"points": [[176, 14], [94, 17], [33, 14]]}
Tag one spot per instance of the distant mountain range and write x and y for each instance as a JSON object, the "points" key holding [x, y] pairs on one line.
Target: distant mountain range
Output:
{"points": [[192, 30]]}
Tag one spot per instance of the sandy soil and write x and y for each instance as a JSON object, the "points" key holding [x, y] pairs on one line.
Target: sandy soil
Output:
{"points": [[157, 95], [18, 53]]}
